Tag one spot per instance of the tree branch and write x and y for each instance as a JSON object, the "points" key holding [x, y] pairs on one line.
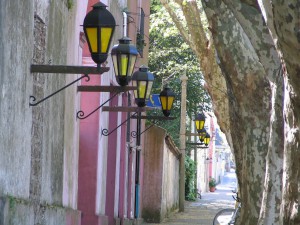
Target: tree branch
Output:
{"points": [[178, 23]]}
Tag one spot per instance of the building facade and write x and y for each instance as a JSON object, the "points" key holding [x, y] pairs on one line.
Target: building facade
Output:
{"points": [[54, 167], [107, 164]]}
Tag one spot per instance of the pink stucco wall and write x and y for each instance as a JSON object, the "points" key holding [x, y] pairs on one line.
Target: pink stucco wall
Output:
{"points": [[111, 165], [119, 172], [88, 145]]}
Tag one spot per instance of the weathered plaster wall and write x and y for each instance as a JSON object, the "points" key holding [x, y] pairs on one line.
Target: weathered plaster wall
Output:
{"points": [[16, 32], [32, 138], [72, 104], [170, 185], [161, 176]]}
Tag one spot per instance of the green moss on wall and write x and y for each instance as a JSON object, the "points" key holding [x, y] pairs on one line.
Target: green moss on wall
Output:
{"points": [[151, 216], [70, 4]]}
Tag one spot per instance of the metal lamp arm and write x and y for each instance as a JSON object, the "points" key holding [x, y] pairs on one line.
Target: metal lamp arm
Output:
{"points": [[32, 99], [80, 114], [105, 131]]}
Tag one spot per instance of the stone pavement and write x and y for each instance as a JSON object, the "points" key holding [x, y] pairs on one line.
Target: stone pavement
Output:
{"points": [[202, 211]]}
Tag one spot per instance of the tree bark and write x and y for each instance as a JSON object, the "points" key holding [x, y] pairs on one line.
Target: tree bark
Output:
{"points": [[262, 89], [286, 19]]}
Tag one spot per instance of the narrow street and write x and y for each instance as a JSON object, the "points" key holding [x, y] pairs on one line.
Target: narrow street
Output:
{"points": [[202, 211]]}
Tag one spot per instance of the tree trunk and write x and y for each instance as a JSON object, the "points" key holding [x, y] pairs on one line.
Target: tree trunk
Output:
{"points": [[286, 19], [262, 90]]}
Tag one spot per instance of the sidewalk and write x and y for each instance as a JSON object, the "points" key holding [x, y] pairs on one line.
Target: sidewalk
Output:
{"points": [[202, 211]]}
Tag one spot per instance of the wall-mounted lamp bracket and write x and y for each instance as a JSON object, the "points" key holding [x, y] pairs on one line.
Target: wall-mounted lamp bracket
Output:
{"points": [[134, 134], [80, 114], [198, 145], [192, 134], [105, 131], [126, 109], [68, 69], [153, 117], [154, 120], [114, 89], [192, 143], [105, 88], [123, 109], [86, 70]]}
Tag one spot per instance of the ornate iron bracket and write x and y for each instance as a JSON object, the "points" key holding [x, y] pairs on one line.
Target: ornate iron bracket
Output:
{"points": [[80, 114], [32, 99], [105, 131], [198, 145], [154, 120], [64, 70], [134, 134], [112, 89]]}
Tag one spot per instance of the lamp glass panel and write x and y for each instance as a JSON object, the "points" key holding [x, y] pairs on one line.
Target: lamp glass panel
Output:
{"points": [[150, 83], [134, 84], [206, 140], [199, 124], [106, 33], [170, 102], [142, 89], [123, 64], [92, 38], [132, 60], [163, 100], [115, 62]]}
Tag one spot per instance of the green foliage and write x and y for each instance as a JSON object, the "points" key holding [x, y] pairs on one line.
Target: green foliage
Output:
{"points": [[190, 168], [212, 182], [169, 58], [70, 4]]}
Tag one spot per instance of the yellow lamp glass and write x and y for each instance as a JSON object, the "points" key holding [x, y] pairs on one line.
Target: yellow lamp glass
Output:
{"points": [[93, 38], [207, 139], [142, 89], [166, 102], [123, 66], [106, 33], [131, 64], [150, 83], [143, 80], [199, 124], [202, 134]]}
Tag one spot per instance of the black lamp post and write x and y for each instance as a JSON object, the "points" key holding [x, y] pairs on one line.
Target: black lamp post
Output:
{"points": [[124, 57], [143, 80], [166, 98], [99, 25], [200, 120]]}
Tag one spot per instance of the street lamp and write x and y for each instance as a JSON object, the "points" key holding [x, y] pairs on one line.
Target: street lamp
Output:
{"points": [[206, 139], [143, 80], [99, 25], [202, 133], [200, 120], [124, 56], [166, 98]]}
